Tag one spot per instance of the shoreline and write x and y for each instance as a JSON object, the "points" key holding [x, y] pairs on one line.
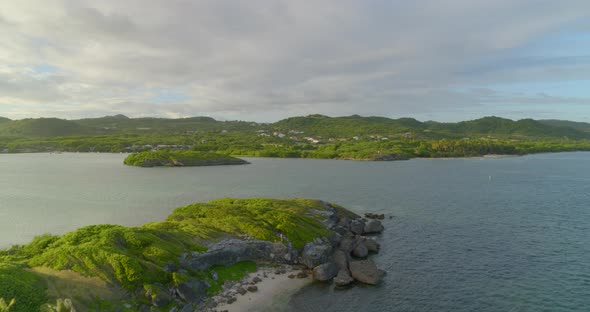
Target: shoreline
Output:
{"points": [[274, 290]]}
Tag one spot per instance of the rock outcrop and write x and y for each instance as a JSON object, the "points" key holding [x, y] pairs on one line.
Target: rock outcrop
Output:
{"points": [[325, 272], [365, 271], [373, 226]]}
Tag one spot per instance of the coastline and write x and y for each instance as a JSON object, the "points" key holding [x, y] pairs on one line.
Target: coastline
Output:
{"points": [[272, 294]]}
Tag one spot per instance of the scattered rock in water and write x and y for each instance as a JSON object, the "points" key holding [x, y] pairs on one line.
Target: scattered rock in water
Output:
{"points": [[325, 272], [231, 300], [343, 278], [373, 226], [374, 216], [291, 276], [252, 288], [256, 280], [357, 226], [371, 244], [365, 271]]}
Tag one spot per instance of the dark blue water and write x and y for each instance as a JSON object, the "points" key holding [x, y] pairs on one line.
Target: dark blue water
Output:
{"points": [[462, 241], [459, 240]]}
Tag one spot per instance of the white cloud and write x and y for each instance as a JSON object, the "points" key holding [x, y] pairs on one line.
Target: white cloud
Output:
{"points": [[266, 60]]}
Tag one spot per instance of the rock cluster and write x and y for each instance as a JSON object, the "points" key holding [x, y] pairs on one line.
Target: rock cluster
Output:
{"points": [[343, 258]]}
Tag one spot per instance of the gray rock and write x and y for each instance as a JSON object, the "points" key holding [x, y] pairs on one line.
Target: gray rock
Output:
{"points": [[341, 260], [256, 280], [334, 238], [357, 226], [232, 251], [302, 274], [192, 291], [373, 226], [344, 222], [252, 288], [188, 308], [161, 299], [347, 244], [372, 245], [314, 255], [365, 271], [343, 278], [325, 272], [241, 290], [360, 250]]}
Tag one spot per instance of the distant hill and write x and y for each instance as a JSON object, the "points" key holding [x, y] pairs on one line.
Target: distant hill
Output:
{"points": [[582, 126], [41, 127], [324, 126], [317, 126], [119, 123]]}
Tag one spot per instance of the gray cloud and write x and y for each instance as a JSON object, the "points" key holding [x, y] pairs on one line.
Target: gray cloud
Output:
{"points": [[264, 60]]}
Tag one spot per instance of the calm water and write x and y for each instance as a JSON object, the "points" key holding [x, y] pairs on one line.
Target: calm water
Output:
{"points": [[459, 241]]}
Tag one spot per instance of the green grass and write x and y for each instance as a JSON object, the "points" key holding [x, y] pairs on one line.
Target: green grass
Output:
{"points": [[260, 218], [234, 272], [120, 255], [26, 287]]}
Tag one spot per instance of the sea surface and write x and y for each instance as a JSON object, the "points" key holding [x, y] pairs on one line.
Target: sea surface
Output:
{"points": [[502, 234]]}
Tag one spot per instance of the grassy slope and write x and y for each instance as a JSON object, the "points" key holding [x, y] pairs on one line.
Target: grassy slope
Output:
{"points": [[132, 257]]}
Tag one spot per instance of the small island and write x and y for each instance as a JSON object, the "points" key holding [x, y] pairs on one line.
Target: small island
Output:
{"points": [[180, 159]]}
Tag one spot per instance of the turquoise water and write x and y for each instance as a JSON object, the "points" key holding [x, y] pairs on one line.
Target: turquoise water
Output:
{"points": [[507, 234]]}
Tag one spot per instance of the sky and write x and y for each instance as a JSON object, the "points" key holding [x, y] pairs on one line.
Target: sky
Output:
{"points": [[264, 60]]}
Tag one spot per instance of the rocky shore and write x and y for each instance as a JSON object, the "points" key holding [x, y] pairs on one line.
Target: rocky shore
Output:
{"points": [[340, 257]]}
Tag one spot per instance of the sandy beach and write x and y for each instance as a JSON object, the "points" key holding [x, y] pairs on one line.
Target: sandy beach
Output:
{"points": [[273, 292]]}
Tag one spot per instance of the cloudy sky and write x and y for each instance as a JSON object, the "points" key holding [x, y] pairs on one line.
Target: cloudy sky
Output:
{"points": [[263, 60]]}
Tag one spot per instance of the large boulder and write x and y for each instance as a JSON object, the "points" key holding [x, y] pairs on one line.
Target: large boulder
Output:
{"points": [[373, 226], [357, 226], [325, 272], [365, 271], [343, 278], [341, 260], [371, 245], [360, 250], [347, 244], [314, 254]]}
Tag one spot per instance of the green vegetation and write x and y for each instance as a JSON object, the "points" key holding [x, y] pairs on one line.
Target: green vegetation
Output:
{"points": [[234, 272], [314, 136], [61, 305], [4, 306], [27, 288], [133, 258], [180, 158]]}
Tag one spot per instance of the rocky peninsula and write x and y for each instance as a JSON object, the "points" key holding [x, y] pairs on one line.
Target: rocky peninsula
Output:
{"points": [[206, 256]]}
